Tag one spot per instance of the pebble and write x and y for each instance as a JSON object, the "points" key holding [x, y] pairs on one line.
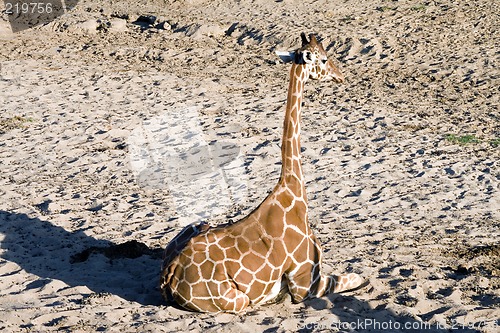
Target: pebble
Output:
{"points": [[118, 25], [89, 26]]}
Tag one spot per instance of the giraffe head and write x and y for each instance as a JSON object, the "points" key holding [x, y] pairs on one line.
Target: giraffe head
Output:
{"points": [[313, 54], [314, 57]]}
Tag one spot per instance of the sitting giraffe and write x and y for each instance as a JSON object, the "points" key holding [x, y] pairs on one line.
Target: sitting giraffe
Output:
{"points": [[272, 250]]}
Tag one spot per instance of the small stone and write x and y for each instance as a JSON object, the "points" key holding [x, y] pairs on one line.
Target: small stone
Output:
{"points": [[89, 26], [483, 282], [118, 25], [164, 26], [201, 31]]}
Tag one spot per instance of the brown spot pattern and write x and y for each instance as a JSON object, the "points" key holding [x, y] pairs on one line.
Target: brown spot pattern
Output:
{"points": [[229, 268]]}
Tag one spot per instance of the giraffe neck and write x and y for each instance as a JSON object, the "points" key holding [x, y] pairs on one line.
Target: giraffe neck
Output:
{"points": [[291, 168]]}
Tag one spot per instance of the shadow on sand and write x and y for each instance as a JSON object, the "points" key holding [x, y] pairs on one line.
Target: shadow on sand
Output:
{"points": [[130, 271], [354, 315]]}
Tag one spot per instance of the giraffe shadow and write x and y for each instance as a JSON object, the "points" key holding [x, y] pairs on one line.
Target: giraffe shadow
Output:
{"points": [[130, 270], [357, 315]]}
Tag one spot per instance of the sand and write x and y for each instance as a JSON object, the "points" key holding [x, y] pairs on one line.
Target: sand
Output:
{"points": [[402, 161]]}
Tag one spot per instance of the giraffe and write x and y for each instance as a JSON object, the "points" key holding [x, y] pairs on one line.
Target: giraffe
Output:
{"points": [[273, 250]]}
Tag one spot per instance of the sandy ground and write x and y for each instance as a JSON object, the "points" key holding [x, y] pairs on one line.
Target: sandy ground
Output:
{"points": [[402, 161]]}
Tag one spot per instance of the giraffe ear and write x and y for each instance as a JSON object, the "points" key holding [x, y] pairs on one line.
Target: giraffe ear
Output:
{"points": [[308, 57], [286, 56]]}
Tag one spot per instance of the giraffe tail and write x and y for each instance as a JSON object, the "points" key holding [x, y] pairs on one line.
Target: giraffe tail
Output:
{"points": [[347, 282]]}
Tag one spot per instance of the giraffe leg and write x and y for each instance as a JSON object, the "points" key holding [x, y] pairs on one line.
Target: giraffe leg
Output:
{"points": [[308, 281], [303, 287], [347, 282], [211, 296], [233, 301], [304, 282]]}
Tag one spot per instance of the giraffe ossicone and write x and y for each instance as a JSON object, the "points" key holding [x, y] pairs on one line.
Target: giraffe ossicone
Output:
{"points": [[273, 250]]}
